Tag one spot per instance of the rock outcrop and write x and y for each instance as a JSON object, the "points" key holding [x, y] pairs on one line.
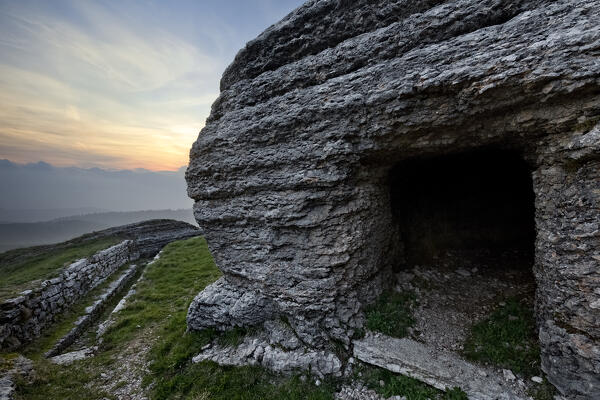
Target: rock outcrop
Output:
{"points": [[440, 369], [151, 236], [290, 174], [277, 348]]}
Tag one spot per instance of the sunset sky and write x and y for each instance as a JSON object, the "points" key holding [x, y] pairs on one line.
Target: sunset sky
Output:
{"points": [[117, 84]]}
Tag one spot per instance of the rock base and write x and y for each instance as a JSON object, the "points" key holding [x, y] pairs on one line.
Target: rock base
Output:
{"points": [[276, 348]]}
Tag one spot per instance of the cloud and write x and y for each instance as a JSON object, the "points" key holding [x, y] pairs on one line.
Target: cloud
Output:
{"points": [[101, 87]]}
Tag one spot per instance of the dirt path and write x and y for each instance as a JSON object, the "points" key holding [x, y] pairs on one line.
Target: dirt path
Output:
{"points": [[124, 381]]}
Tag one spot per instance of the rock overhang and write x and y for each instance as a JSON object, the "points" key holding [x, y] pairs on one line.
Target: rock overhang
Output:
{"points": [[289, 174]]}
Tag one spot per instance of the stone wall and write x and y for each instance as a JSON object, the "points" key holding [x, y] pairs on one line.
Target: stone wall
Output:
{"points": [[290, 174], [567, 184], [25, 317], [93, 312]]}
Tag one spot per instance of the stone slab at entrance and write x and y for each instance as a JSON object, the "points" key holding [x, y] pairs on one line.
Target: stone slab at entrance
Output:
{"points": [[440, 369]]}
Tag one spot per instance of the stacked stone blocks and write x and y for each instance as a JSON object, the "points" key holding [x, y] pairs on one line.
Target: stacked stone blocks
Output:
{"points": [[24, 318]]}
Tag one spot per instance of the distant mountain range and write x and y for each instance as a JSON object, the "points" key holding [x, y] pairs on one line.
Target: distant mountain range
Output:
{"points": [[42, 204], [15, 235], [33, 215], [43, 187]]}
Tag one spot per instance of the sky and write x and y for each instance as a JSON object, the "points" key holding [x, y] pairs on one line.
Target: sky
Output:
{"points": [[117, 84]]}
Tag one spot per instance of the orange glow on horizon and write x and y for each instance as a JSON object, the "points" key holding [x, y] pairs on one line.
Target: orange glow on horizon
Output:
{"points": [[114, 97]]}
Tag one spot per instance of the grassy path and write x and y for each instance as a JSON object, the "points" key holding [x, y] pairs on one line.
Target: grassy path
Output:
{"points": [[148, 352]]}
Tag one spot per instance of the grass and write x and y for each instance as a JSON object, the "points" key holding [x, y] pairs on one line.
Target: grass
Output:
{"points": [[26, 273], [233, 337], [175, 377], [400, 385], [65, 322], [168, 287], [543, 391], [158, 311], [392, 313], [62, 382], [507, 338], [162, 300], [160, 304]]}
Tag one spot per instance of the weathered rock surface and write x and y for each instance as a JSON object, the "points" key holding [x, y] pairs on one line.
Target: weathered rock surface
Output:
{"points": [[440, 369], [230, 307], [19, 366], [359, 392], [72, 356], [290, 174], [279, 350]]}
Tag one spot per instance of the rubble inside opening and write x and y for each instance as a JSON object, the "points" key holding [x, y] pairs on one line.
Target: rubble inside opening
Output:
{"points": [[467, 233]]}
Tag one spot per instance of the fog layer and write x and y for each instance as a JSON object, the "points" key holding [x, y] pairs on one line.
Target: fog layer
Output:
{"points": [[41, 186]]}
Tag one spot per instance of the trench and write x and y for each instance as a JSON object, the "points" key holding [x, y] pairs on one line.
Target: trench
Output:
{"points": [[84, 335]]}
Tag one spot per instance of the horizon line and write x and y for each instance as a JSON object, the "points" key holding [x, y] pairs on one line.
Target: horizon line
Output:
{"points": [[45, 163]]}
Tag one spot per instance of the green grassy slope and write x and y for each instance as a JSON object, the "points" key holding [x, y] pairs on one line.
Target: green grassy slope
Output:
{"points": [[19, 271], [153, 323]]}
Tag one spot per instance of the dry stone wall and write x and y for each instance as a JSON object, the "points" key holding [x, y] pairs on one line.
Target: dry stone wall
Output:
{"points": [[25, 317], [92, 312], [290, 174]]}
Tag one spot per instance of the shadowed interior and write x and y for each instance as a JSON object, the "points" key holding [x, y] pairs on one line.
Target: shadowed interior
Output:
{"points": [[473, 205]]}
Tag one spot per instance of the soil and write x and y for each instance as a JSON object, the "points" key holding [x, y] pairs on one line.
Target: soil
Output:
{"points": [[124, 381], [458, 290]]}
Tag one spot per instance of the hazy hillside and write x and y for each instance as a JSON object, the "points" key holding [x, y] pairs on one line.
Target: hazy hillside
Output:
{"points": [[14, 235], [33, 215], [41, 186]]}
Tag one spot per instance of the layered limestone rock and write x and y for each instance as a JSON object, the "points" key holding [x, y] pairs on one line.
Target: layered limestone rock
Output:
{"points": [[290, 174], [277, 348], [440, 369]]}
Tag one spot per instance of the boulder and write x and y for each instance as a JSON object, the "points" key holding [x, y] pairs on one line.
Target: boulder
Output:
{"points": [[290, 175]]}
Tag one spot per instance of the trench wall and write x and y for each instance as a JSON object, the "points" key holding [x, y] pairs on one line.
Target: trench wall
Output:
{"points": [[24, 318]]}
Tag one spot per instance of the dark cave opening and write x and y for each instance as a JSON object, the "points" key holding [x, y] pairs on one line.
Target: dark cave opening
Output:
{"points": [[477, 207], [465, 229]]}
